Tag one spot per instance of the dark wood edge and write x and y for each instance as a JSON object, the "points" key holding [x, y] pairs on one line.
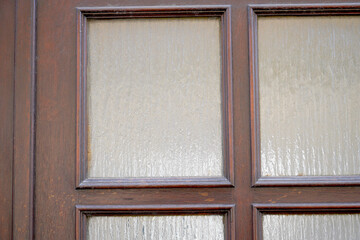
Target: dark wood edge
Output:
{"points": [[160, 11], [254, 11], [154, 182], [297, 208], [154, 208], [23, 205], [305, 9], [308, 181], [230, 229], [81, 137], [32, 166], [227, 96], [7, 84], [257, 223], [254, 97], [83, 211], [304, 207], [83, 14]]}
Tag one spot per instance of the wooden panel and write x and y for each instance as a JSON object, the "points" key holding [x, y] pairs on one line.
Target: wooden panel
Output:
{"points": [[56, 193], [7, 36], [145, 154], [24, 122], [55, 120]]}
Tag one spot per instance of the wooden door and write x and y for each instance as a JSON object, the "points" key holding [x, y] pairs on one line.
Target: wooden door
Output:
{"points": [[46, 187]]}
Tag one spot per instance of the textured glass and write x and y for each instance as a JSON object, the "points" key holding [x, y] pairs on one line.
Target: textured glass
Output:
{"points": [[305, 227], [154, 97], [309, 77], [200, 227]]}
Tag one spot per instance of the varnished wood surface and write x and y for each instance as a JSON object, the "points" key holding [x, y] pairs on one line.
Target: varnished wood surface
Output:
{"points": [[7, 37], [24, 121], [55, 146]]}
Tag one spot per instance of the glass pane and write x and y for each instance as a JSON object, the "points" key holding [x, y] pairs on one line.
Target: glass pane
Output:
{"points": [[305, 227], [154, 97], [205, 227], [309, 77]]}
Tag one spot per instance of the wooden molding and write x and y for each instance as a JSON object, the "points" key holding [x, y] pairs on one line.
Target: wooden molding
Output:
{"points": [[23, 196], [286, 10], [314, 181], [227, 100], [84, 211], [304, 9], [156, 182]]}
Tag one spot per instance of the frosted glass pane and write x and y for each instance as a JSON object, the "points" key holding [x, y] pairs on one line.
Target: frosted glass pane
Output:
{"points": [[154, 97], [309, 77], [206, 227], [305, 227]]}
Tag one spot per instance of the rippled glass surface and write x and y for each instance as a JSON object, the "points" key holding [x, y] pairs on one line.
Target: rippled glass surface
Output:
{"points": [[154, 97], [205, 227], [305, 227], [309, 77]]}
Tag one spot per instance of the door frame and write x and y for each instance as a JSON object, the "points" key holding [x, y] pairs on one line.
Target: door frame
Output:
{"points": [[18, 99]]}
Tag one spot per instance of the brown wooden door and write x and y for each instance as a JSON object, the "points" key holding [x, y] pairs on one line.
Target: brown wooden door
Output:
{"points": [[45, 189]]}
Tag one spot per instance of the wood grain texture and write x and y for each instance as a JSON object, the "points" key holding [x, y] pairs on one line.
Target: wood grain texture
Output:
{"points": [[7, 49], [24, 122], [56, 193], [55, 121], [55, 162]]}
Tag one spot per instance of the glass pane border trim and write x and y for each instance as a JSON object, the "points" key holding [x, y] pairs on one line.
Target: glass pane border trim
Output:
{"points": [[84, 211], [254, 11], [259, 209], [85, 13]]}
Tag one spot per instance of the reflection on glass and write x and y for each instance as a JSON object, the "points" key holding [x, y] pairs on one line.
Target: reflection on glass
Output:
{"points": [[309, 78], [201, 227], [314, 226]]}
